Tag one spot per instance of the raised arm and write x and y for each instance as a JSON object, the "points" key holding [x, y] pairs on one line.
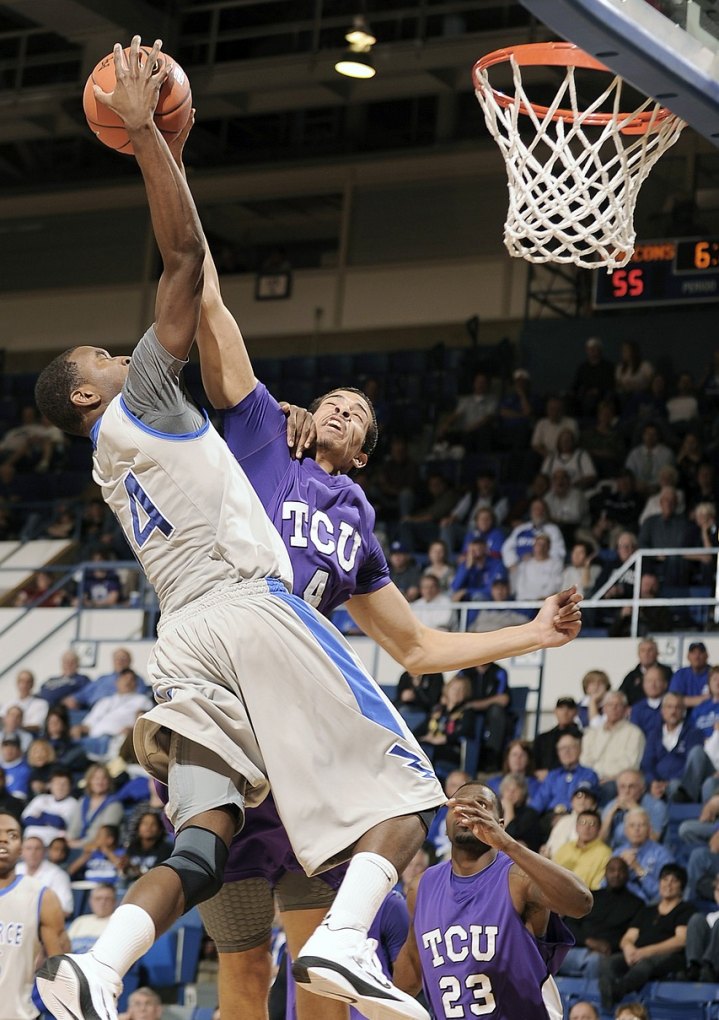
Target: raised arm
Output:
{"points": [[175, 222], [385, 616]]}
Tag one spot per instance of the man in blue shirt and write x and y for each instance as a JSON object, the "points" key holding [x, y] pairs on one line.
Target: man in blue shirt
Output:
{"points": [[668, 747], [645, 713], [560, 784], [106, 685], [692, 681], [631, 794], [644, 856], [698, 782], [67, 685]]}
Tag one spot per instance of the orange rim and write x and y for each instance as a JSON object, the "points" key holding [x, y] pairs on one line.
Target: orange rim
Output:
{"points": [[562, 54]]}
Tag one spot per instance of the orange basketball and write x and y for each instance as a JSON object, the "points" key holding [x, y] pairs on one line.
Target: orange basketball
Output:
{"points": [[171, 115]]}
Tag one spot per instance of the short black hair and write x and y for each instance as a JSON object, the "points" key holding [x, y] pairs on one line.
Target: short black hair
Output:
{"points": [[677, 870], [370, 440], [592, 813], [61, 772], [52, 393]]}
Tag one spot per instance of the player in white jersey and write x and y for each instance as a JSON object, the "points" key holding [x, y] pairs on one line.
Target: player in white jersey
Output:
{"points": [[31, 918], [233, 644]]}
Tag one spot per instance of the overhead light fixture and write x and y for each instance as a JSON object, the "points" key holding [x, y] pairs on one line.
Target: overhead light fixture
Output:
{"points": [[357, 60]]}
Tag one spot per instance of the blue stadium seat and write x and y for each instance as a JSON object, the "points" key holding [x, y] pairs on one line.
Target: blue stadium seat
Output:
{"points": [[676, 814], [174, 957], [203, 1013], [680, 1000]]}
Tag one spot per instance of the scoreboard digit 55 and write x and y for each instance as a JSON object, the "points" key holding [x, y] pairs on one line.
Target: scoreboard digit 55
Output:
{"points": [[672, 272]]}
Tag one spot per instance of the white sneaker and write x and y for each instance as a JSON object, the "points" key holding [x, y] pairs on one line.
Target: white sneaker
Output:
{"points": [[352, 974], [76, 987]]}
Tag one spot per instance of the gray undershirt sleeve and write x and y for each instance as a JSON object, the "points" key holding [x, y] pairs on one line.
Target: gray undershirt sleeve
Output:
{"points": [[153, 392]]}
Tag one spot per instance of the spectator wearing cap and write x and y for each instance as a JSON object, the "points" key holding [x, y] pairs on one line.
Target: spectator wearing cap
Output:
{"points": [[594, 378], [648, 654], [564, 824], [692, 681], [614, 746], [668, 747], [645, 713], [545, 744], [520, 544], [699, 780], [557, 789], [17, 771], [587, 855], [404, 570], [599, 932], [631, 793]]}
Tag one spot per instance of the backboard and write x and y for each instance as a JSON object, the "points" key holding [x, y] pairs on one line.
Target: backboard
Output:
{"points": [[668, 49]]}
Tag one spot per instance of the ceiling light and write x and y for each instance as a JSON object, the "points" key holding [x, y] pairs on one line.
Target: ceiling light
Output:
{"points": [[360, 35], [355, 65]]}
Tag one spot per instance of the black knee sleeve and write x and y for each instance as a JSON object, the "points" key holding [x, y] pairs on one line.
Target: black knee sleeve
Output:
{"points": [[199, 860], [427, 817]]}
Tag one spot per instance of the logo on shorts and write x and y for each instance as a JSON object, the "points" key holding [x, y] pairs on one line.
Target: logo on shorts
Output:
{"points": [[412, 761]]}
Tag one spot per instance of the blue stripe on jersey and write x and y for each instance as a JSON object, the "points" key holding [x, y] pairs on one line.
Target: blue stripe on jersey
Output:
{"points": [[4, 892], [39, 906], [371, 703], [173, 437]]}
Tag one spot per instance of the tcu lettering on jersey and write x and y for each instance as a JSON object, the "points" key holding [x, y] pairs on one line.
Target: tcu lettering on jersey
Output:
{"points": [[456, 944], [342, 541]]}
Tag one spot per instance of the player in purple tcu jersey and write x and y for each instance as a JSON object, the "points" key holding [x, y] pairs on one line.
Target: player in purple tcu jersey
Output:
{"points": [[327, 526], [485, 938]]}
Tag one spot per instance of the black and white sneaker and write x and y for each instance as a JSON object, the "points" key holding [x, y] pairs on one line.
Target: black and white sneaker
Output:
{"points": [[77, 987], [353, 975]]}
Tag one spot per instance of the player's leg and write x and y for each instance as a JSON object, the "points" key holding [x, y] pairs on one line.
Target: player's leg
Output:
{"points": [[85, 987], [239, 920]]}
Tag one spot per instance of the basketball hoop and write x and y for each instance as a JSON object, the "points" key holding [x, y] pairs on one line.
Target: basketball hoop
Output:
{"points": [[573, 187]]}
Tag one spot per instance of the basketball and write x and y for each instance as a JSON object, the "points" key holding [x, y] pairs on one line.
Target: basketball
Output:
{"points": [[171, 115]]}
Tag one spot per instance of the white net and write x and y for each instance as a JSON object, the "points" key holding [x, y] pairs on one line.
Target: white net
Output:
{"points": [[573, 188]]}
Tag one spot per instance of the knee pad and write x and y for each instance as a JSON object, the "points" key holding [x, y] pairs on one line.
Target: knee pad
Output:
{"points": [[198, 860]]}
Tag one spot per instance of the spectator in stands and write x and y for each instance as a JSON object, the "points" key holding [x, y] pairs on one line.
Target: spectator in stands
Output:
{"points": [[434, 607], [583, 1010], [582, 573], [418, 529], [438, 564], [648, 654], [450, 722], [518, 761], [12, 727], [68, 684], [603, 441], [113, 716], [646, 713], [416, 867], [520, 544], [699, 780], [102, 859], [8, 803], [87, 929], [703, 488], [632, 373], [473, 580], [485, 527], [516, 411], [647, 459], [417, 695], [705, 519], [632, 1011], [34, 709], [96, 808], [684, 407], [615, 511], [594, 378], [58, 851], [631, 794], [396, 482], [143, 1004], [598, 933], [614, 746], [546, 431], [148, 846], [489, 698], [653, 947], [703, 868], [41, 759], [39, 593], [668, 747], [668, 478], [50, 876], [57, 731], [645, 857], [692, 681], [106, 685], [564, 824], [101, 586], [586, 855], [471, 423], [520, 820], [34, 445], [540, 574], [48, 815], [702, 949], [668, 530], [404, 570], [546, 755], [567, 505], [17, 771], [651, 619], [455, 524], [557, 789], [492, 619], [595, 684], [572, 459]]}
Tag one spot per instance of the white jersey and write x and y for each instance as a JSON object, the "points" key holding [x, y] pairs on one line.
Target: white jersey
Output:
{"points": [[19, 946], [186, 507]]}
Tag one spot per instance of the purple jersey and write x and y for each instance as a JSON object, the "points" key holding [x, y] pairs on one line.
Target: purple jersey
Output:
{"points": [[325, 520], [477, 956]]}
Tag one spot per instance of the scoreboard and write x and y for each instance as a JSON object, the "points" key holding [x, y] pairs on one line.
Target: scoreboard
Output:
{"points": [[677, 271]]}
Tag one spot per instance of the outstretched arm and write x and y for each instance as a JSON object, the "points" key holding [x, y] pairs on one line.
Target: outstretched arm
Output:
{"points": [[385, 616], [174, 217]]}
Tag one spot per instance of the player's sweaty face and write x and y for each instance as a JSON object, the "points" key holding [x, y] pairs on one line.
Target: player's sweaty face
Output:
{"points": [[100, 370], [342, 421]]}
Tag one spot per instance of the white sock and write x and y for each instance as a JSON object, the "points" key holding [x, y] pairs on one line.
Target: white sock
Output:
{"points": [[129, 934], [368, 880]]}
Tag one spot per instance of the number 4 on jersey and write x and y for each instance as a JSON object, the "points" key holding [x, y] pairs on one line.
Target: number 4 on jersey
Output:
{"points": [[146, 518]]}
